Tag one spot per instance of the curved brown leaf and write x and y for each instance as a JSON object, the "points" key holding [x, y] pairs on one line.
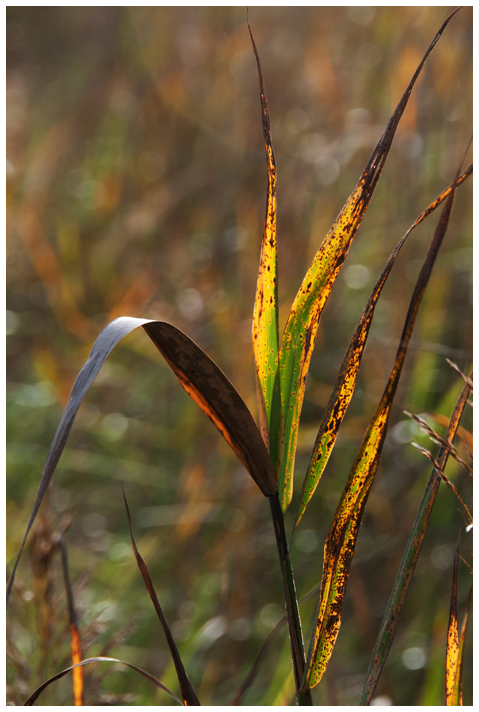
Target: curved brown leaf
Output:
{"points": [[217, 397], [202, 380]]}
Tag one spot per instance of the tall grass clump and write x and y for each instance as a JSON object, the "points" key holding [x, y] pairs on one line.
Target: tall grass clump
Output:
{"points": [[125, 211]]}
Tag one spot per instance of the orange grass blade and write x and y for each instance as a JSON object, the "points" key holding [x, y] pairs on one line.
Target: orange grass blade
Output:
{"points": [[187, 691], [341, 541], [59, 675], [346, 380], [202, 380], [265, 316], [409, 560], [452, 647], [455, 642], [75, 642], [301, 328], [77, 672], [462, 639]]}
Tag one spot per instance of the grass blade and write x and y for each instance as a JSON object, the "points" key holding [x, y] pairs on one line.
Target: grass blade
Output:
{"points": [[346, 380], [202, 380], [453, 691], [77, 672], [106, 341], [59, 675], [301, 328], [265, 347], [341, 541], [212, 391], [457, 697], [265, 316], [75, 642], [187, 691], [408, 563]]}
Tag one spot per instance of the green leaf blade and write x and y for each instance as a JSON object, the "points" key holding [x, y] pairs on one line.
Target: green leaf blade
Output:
{"points": [[346, 379], [301, 328], [341, 541], [265, 316]]}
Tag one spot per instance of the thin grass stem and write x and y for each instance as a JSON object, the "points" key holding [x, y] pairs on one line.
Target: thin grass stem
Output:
{"points": [[291, 600]]}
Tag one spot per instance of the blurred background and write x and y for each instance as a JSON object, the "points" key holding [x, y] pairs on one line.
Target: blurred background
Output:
{"points": [[136, 183]]}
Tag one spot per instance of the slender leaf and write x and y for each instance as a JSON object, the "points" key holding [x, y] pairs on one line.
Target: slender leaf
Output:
{"points": [[452, 648], [217, 397], [265, 347], [301, 328], [187, 691], [346, 380], [202, 380], [77, 672], [75, 642], [341, 541], [457, 695], [408, 563], [59, 675], [265, 316]]}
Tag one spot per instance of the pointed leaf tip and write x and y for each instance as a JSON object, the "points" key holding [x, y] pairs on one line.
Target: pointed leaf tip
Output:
{"points": [[265, 315]]}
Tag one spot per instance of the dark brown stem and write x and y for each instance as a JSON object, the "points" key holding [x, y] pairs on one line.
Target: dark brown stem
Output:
{"points": [[292, 610]]}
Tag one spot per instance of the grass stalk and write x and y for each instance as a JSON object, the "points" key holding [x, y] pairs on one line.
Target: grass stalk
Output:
{"points": [[291, 600]]}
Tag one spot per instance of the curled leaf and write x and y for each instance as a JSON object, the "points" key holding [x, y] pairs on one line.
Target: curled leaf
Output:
{"points": [[59, 675], [217, 397], [202, 380]]}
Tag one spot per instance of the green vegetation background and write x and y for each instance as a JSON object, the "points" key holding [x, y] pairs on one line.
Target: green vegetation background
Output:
{"points": [[136, 184]]}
